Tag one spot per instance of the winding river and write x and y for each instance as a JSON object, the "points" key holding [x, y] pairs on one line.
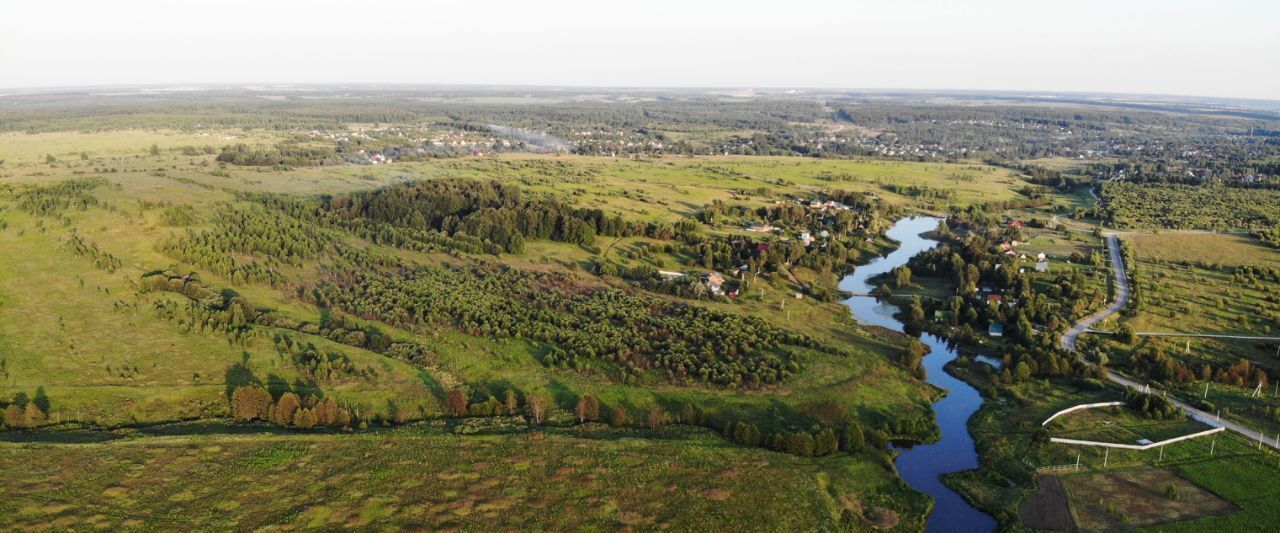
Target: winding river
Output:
{"points": [[922, 465]]}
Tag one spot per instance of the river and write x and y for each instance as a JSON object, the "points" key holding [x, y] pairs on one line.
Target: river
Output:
{"points": [[922, 465]]}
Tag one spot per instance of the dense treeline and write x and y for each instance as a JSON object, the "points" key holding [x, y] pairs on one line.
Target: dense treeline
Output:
{"points": [[488, 210], [1186, 207], [280, 155]]}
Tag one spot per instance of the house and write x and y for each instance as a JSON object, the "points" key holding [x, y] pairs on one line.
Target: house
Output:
{"points": [[762, 247], [993, 298], [1042, 266], [995, 330], [806, 238], [1015, 224], [1041, 257], [715, 283]]}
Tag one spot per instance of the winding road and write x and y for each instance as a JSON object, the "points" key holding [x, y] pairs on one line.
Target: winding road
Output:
{"points": [[1122, 298]]}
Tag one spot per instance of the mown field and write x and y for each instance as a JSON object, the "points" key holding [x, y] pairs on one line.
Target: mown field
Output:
{"points": [[418, 478]]}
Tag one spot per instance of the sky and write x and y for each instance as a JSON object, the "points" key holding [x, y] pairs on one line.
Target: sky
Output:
{"points": [[1223, 48]]}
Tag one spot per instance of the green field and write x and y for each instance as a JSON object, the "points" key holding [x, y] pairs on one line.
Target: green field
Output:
{"points": [[421, 478]]}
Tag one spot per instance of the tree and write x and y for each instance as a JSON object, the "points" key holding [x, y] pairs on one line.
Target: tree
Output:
{"points": [[537, 407], [285, 408], [14, 417], [41, 400], [656, 418], [510, 402], [800, 443], [852, 439], [457, 402], [304, 418], [34, 416], [250, 403], [825, 442], [1021, 372], [326, 411], [155, 149], [902, 276], [619, 417], [588, 408]]}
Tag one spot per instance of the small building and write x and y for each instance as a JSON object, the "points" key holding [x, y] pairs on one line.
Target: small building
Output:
{"points": [[806, 238], [941, 316], [762, 247], [993, 298], [995, 330], [1042, 266], [715, 283], [1015, 224]]}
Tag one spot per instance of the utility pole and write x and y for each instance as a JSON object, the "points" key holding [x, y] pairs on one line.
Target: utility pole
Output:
{"points": [[1106, 456], [1077, 461], [1206, 390], [1212, 445]]}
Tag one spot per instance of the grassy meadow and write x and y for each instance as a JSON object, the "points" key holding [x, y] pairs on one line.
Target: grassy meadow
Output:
{"points": [[422, 478]]}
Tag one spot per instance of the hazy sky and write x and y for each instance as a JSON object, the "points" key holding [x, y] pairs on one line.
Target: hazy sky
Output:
{"points": [[1191, 47]]}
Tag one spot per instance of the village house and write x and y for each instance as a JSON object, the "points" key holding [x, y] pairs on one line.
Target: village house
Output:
{"points": [[995, 330], [715, 283]]}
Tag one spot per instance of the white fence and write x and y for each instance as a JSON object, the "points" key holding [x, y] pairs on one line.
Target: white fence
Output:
{"points": [[1077, 408], [1136, 446]]}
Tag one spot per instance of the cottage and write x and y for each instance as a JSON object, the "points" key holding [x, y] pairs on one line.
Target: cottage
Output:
{"points": [[995, 330], [715, 283]]}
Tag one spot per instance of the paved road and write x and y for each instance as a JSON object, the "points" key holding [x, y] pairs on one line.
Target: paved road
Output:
{"points": [[1122, 298]]}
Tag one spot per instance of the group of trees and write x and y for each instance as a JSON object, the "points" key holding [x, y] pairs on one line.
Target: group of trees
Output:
{"points": [[101, 258], [57, 197], [253, 402], [630, 332], [264, 241], [818, 441], [23, 412], [1151, 405], [1152, 361]]}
